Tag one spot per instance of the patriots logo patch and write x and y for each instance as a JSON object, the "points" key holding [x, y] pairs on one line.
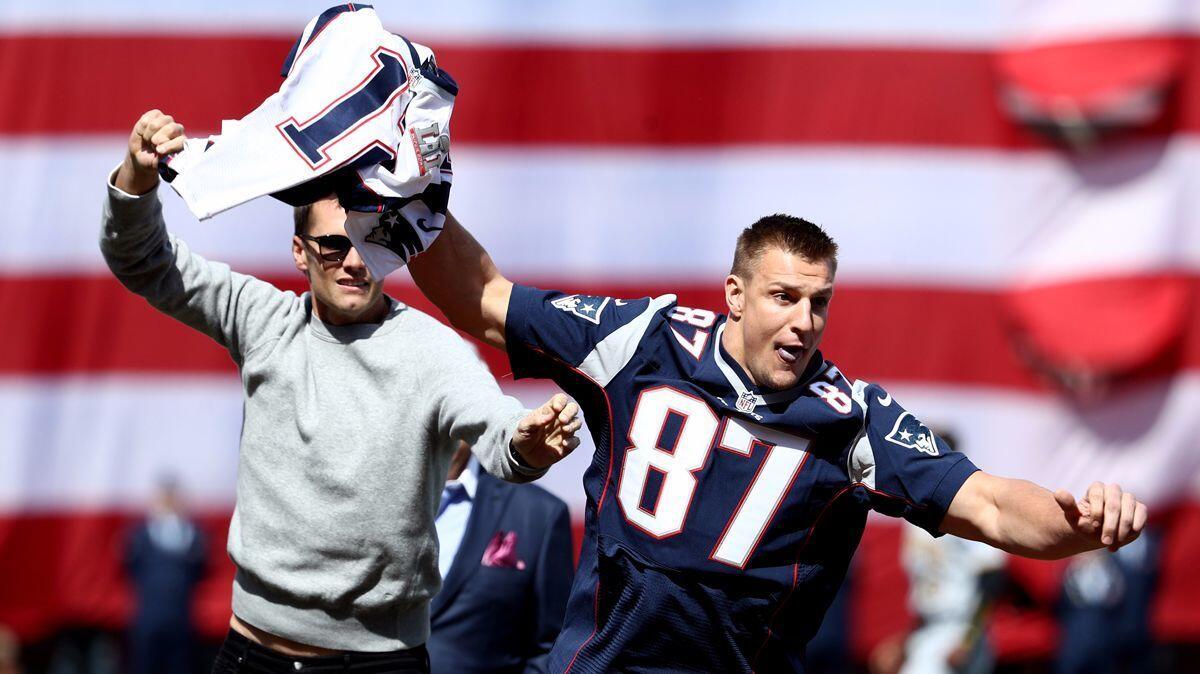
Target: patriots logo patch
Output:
{"points": [[587, 307], [911, 433], [380, 236], [394, 233]]}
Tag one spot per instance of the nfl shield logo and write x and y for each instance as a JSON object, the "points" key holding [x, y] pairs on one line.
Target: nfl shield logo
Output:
{"points": [[745, 402]]}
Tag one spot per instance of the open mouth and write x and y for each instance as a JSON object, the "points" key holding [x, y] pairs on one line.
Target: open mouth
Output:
{"points": [[353, 283], [790, 354]]}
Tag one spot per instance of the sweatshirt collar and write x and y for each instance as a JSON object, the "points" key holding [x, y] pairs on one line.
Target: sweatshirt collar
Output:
{"points": [[345, 334]]}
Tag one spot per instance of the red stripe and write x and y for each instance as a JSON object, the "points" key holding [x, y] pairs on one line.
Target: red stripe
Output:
{"points": [[63, 568], [90, 324], [556, 94]]}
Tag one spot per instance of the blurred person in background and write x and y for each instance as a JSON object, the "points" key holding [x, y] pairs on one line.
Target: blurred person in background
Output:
{"points": [[164, 560], [10, 652], [1104, 611], [953, 583], [333, 530], [506, 560]]}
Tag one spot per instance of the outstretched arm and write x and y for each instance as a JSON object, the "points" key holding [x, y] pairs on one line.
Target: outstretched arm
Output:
{"points": [[458, 276], [236, 310], [1024, 519]]}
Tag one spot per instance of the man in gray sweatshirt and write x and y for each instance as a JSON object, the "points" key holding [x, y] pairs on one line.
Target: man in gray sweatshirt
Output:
{"points": [[354, 404]]}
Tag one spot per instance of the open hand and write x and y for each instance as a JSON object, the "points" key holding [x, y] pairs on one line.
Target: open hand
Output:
{"points": [[547, 434], [1108, 515]]}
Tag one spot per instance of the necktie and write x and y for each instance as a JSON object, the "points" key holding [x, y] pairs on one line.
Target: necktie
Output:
{"points": [[451, 494]]}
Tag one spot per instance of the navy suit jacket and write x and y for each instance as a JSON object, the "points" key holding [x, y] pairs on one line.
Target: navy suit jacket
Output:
{"points": [[163, 580], [496, 618]]}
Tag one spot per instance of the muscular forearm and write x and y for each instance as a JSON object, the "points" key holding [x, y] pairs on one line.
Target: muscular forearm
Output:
{"points": [[1025, 519], [1030, 523], [458, 276]]}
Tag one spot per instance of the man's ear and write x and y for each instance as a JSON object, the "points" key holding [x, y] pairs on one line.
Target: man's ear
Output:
{"points": [[735, 295], [298, 254]]}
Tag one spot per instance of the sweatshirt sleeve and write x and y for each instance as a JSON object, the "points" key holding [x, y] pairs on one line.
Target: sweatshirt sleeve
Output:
{"points": [[234, 309], [472, 409]]}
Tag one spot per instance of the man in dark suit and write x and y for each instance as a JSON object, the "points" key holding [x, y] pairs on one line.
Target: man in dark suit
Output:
{"points": [[506, 563], [164, 559]]}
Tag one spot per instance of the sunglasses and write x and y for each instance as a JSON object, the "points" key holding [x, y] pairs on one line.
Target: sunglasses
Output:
{"points": [[331, 247]]}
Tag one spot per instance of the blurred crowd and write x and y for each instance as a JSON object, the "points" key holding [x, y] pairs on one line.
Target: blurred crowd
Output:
{"points": [[955, 589]]}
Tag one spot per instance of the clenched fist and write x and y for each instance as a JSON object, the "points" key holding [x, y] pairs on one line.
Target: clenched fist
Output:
{"points": [[155, 136]]}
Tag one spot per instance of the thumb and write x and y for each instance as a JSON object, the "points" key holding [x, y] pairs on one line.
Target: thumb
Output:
{"points": [[1067, 502], [537, 418]]}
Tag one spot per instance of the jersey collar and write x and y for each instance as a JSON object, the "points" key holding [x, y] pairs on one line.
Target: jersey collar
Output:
{"points": [[745, 390]]}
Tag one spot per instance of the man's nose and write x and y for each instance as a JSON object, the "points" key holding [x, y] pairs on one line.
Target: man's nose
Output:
{"points": [[353, 262], [802, 318]]}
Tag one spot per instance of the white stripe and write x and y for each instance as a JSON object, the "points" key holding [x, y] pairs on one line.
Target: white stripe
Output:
{"points": [[614, 352], [883, 22], [1143, 438], [82, 443], [104, 442], [861, 464], [968, 218], [79, 442]]}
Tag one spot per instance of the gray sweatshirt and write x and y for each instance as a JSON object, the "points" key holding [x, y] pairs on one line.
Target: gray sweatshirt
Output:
{"points": [[346, 440]]}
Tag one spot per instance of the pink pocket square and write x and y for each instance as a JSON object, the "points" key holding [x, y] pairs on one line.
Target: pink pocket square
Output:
{"points": [[501, 552]]}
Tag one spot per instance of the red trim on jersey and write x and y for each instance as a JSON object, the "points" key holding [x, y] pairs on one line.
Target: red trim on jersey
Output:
{"points": [[378, 196], [603, 492], [595, 626], [607, 403], [696, 483], [811, 532], [754, 440], [313, 38], [657, 499], [696, 347], [796, 568], [767, 522]]}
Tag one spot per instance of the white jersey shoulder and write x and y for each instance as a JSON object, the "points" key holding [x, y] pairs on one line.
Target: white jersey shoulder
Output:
{"points": [[614, 352]]}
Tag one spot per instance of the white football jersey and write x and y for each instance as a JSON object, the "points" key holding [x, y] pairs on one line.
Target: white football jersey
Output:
{"points": [[362, 113]]}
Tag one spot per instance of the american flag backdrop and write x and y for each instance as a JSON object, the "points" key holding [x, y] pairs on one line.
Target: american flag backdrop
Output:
{"points": [[1036, 296]]}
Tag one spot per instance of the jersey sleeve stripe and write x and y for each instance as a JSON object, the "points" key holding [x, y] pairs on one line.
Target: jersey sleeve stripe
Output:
{"points": [[614, 352], [861, 464]]}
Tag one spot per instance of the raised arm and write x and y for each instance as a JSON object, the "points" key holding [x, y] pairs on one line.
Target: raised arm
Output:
{"points": [[236, 310], [458, 276], [1024, 519]]}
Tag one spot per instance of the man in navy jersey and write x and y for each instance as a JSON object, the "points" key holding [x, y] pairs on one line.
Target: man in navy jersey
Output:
{"points": [[734, 464]]}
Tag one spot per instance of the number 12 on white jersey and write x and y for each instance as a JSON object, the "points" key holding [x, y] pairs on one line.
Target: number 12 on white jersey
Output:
{"points": [[678, 465]]}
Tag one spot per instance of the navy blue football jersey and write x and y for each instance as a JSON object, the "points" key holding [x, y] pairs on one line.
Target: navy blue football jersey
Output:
{"points": [[720, 519]]}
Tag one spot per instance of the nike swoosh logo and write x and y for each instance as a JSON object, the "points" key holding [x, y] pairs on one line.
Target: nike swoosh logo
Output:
{"points": [[886, 400], [421, 224]]}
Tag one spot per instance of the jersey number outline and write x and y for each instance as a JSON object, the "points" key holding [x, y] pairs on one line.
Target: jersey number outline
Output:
{"points": [[689, 453], [701, 319], [371, 97]]}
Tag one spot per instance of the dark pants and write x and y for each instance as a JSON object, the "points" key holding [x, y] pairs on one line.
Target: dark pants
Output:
{"points": [[162, 647], [239, 654]]}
